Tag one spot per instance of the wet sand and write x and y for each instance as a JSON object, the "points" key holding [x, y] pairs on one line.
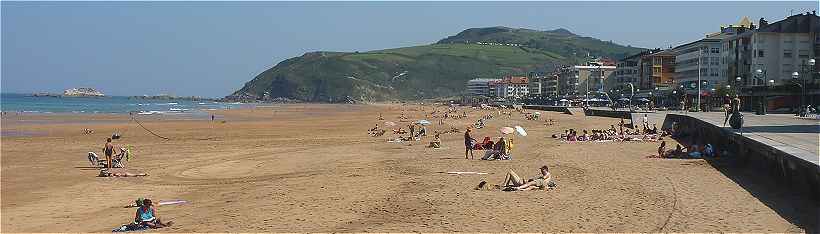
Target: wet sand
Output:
{"points": [[313, 168]]}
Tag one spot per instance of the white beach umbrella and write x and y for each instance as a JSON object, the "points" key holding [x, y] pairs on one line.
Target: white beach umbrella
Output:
{"points": [[506, 130], [520, 131], [390, 123], [423, 122]]}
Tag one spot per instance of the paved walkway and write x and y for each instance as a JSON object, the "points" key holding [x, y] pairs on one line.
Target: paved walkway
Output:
{"points": [[795, 136]]}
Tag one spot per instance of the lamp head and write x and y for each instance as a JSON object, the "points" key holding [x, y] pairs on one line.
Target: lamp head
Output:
{"points": [[795, 75], [759, 71], [737, 79], [811, 62]]}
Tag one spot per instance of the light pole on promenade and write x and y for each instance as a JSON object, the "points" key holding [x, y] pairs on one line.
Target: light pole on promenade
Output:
{"points": [[802, 82], [760, 75]]}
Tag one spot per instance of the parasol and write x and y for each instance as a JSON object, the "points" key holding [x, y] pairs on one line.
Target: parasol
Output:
{"points": [[520, 131]]}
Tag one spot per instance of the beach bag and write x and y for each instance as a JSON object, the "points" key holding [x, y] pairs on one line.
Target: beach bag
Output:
{"points": [[736, 121]]}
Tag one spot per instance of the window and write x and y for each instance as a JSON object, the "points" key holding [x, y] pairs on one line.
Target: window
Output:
{"points": [[760, 53], [788, 54], [715, 50], [803, 53]]}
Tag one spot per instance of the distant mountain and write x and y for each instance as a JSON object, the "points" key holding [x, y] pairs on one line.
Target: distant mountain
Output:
{"points": [[426, 71]]}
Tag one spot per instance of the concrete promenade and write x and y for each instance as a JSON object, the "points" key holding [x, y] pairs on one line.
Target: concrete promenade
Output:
{"points": [[795, 136]]}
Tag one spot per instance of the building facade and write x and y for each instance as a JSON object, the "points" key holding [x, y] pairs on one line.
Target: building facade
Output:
{"points": [[582, 79], [782, 48], [698, 61], [535, 84], [480, 87], [512, 87], [663, 69]]}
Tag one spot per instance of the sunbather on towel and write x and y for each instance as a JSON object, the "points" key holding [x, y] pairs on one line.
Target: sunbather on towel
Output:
{"points": [[106, 173], [147, 215], [542, 181]]}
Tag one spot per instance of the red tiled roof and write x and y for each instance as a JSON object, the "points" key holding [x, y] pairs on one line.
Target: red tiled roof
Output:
{"points": [[516, 80]]}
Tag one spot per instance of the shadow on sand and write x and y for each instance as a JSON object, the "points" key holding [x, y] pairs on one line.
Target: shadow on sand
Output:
{"points": [[789, 201], [793, 204]]}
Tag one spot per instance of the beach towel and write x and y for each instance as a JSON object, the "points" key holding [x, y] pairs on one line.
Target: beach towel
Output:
{"points": [[172, 202], [131, 227], [466, 173]]}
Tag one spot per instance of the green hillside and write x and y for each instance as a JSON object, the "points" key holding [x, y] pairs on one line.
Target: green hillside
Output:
{"points": [[437, 70]]}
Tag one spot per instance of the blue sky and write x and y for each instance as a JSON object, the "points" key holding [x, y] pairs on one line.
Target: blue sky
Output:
{"points": [[213, 48]]}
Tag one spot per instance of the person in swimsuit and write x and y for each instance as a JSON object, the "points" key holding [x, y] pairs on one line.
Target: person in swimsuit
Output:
{"points": [[109, 152], [468, 143], [542, 181], [107, 173], [147, 215]]}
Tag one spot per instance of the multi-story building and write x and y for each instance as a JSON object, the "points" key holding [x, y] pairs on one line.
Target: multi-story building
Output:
{"points": [[480, 87], [581, 79], [635, 70], [512, 87], [699, 61], [549, 85], [663, 69], [736, 53], [627, 72], [535, 85], [782, 48]]}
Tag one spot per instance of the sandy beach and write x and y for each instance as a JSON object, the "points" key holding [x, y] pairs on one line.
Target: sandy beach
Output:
{"points": [[314, 168]]}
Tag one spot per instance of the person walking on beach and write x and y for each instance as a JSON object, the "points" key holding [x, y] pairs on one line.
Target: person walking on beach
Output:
{"points": [[468, 143], [108, 149], [727, 102]]}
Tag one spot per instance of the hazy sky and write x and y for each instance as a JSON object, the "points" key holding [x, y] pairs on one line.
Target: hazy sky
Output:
{"points": [[213, 48]]}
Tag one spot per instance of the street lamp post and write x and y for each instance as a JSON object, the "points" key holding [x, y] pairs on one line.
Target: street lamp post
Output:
{"points": [[760, 74], [802, 82]]}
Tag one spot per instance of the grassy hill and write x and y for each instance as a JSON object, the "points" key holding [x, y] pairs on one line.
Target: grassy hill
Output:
{"points": [[427, 71]]}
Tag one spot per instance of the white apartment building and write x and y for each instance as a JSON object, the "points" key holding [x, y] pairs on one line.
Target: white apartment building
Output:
{"points": [[512, 87], [784, 47], [699, 60], [580, 79]]}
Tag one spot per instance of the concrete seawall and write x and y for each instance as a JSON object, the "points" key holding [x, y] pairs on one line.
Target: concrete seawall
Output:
{"points": [[788, 169]]}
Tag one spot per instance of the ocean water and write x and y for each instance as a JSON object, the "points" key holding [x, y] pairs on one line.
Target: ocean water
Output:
{"points": [[28, 104]]}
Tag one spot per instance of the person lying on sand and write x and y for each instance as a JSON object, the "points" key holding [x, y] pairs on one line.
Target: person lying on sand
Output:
{"points": [[513, 182], [542, 181], [147, 215], [106, 173]]}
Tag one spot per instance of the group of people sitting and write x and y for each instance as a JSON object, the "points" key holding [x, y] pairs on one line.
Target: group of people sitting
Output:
{"points": [[610, 134], [693, 151], [498, 150], [376, 131], [479, 124]]}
